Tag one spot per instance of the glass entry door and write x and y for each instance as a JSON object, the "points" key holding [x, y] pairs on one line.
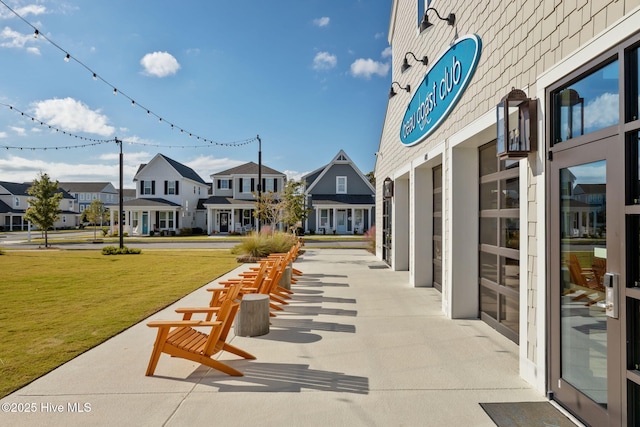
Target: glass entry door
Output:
{"points": [[586, 343]]}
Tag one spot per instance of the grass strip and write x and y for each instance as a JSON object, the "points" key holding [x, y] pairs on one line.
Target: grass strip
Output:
{"points": [[55, 305]]}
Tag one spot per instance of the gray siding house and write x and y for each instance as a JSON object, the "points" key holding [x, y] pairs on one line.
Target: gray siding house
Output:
{"points": [[339, 197]]}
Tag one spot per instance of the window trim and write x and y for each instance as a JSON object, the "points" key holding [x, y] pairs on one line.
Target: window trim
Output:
{"points": [[338, 179]]}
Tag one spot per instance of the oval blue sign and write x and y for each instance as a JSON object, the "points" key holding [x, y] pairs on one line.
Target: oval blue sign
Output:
{"points": [[440, 90]]}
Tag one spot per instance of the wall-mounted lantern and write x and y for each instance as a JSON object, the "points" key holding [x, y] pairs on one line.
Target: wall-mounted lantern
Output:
{"points": [[516, 125], [387, 188]]}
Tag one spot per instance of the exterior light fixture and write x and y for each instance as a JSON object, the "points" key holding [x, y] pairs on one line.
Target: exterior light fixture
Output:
{"points": [[387, 188], [405, 63], [424, 24], [517, 117], [392, 92]]}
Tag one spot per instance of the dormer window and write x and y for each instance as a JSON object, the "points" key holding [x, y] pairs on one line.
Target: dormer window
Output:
{"points": [[341, 185]]}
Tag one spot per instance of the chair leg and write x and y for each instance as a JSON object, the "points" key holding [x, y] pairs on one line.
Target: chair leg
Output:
{"points": [[161, 337], [220, 366], [238, 352]]}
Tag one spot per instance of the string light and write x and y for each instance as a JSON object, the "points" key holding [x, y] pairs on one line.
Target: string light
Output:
{"points": [[96, 76], [93, 141]]}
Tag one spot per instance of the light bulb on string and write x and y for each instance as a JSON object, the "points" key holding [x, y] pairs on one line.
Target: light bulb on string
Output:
{"points": [[115, 91], [95, 76], [67, 58], [36, 33]]}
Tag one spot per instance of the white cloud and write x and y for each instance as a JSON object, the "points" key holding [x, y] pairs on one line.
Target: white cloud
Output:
{"points": [[367, 67], [32, 9], [387, 52], [18, 130], [602, 111], [71, 115], [3, 135], [321, 22], [378, 36], [207, 165], [160, 64], [295, 175], [24, 11], [324, 61], [15, 40]]}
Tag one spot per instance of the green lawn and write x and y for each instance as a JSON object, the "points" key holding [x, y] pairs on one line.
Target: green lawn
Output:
{"points": [[56, 304]]}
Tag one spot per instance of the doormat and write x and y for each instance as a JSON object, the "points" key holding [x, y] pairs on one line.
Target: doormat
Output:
{"points": [[526, 414]]}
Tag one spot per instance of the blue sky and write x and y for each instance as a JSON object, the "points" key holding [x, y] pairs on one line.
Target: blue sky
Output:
{"points": [[311, 77]]}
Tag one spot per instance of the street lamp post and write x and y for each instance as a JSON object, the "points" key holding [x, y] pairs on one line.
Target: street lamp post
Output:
{"points": [[121, 206], [259, 180]]}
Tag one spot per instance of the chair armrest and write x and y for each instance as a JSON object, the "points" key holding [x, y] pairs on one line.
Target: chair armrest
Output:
{"points": [[178, 323], [197, 309]]}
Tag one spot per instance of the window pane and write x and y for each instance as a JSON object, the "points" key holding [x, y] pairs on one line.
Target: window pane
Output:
{"points": [[510, 273], [489, 266], [510, 233], [509, 313], [437, 177], [488, 159], [489, 231], [489, 195], [488, 302], [437, 226], [587, 105], [634, 84], [510, 193], [437, 202]]}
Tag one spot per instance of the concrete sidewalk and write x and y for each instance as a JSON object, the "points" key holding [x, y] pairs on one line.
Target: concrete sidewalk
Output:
{"points": [[357, 346]]}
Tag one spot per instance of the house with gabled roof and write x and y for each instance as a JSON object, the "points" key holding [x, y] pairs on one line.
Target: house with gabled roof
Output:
{"points": [[340, 199], [14, 202], [231, 206], [86, 192], [168, 195]]}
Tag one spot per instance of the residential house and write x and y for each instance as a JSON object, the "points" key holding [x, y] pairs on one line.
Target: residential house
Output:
{"points": [[14, 201], [86, 192], [340, 198], [232, 203], [167, 197]]}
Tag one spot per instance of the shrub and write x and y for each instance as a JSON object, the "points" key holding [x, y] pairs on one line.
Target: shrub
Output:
{"points": [[260, 245], [197, 230], [112, 250], [186, 231], [370, 237]]}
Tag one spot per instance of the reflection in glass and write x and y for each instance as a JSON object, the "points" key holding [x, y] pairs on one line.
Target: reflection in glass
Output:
{"points": [[489, 266], [634, 85], [590, 104], [510, 233], [510, 193], [488, 302], [489, 195], [583, 263], [489, 231], [510, 273], [488, 159], [509, 313]]}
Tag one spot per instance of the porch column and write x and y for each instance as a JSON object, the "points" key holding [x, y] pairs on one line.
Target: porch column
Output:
{"points": [[335, 218], [233, 220]]}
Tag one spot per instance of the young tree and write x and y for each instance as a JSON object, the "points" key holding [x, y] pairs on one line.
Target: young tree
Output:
{"points": [[95, 213], [44, 207], [267, 209], [293, 207]]}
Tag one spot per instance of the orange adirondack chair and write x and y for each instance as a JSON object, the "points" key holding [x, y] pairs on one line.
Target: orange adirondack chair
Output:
{"points": [[179, 338]]}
